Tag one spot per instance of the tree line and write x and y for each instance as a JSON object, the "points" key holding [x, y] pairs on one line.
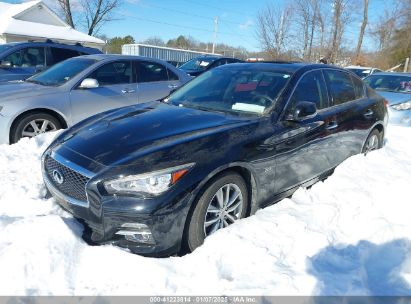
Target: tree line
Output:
{"points": [[311, 30]]}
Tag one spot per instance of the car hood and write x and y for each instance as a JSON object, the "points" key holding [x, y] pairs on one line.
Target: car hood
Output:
{"points": [[128, 133], [17, 90], [394, 97]]}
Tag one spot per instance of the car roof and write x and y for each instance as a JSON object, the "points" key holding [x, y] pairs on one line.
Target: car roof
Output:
{"points": [[359, 67], [100, 57], [392, 74], [50, 43], [285, 66]]}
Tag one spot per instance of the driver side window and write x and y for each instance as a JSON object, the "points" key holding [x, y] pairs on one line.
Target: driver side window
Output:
{"points": [[310, 88]]}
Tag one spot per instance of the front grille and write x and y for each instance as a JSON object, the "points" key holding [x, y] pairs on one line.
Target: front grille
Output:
{"points": [[73, 184]]}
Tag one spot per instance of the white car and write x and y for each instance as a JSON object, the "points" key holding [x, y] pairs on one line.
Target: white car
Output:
{"points": [[361, 71]]}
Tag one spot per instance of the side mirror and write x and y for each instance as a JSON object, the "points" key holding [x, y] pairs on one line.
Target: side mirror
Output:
{"points": [[5, 64], [89, 83], [303, 109], [40, 68]]}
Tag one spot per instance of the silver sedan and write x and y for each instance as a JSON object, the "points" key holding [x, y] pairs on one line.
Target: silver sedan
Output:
{"points": [[396, 89], [81, 87]]}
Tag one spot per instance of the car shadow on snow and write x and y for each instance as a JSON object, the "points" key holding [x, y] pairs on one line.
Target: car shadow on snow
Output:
{"points": [[362, 269]]}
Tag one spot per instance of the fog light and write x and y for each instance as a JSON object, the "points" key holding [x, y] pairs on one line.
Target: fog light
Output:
{"points": [[138, 233]]}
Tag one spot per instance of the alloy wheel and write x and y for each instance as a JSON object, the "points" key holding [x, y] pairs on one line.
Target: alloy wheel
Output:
{"points": [[37, 127], [372, 143], [224, 208]]}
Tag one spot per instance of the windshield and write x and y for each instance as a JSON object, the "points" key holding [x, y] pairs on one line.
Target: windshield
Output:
{"points": [[231, 90], [62, 72], [198, 64], [4, 47], [390, 83], [361, 72]]}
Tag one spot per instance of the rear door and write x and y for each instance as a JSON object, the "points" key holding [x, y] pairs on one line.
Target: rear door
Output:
{"points": [[117, 89], [303, 146], [155, 81], [60, 54], [355, 112]]}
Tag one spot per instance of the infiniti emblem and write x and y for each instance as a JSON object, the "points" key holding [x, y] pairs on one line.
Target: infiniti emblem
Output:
{"points": [[58, 177]]}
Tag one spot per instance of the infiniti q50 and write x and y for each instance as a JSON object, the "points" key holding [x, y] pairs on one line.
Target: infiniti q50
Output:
{"points": [[160, 177]]}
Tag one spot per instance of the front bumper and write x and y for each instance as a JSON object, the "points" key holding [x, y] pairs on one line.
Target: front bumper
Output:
{"points": [[106, 216], [402, 117]]}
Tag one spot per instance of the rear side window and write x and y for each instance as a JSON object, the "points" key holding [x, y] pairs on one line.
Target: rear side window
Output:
{"points": [[28, 57], [62, 54], [150, 72], [358, 87], [340, 86], [310, 88], [118, 72]]}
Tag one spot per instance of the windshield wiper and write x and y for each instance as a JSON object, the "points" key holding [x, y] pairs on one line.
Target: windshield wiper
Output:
{"points": [[197, 107], [35, 81]]}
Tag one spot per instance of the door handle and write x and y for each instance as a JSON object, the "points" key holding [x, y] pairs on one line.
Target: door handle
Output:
{"points": [[125, 91], [332, 125], [369, 113], [172, 86]]}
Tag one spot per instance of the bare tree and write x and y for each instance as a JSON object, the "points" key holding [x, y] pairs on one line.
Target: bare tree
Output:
{"points": [[341, 17], [92, 14], [273, 29], [304, 18], [362, 31], [154, 40], [383, 31], [65, 7]]}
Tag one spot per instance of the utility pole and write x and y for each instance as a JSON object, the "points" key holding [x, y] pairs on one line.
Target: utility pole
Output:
{"points": [[215, 32], [407, 62]]}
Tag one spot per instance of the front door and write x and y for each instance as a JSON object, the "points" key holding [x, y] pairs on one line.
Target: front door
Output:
{"points": [[302, 148], [116, 89], [24, 63]]}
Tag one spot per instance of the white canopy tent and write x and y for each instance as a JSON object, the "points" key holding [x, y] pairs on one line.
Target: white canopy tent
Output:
{"points": [[35, 21]]}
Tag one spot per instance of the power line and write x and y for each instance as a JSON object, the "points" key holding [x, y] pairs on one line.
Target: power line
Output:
{"points": [[179, 25], [188, 14], [214, 7]]}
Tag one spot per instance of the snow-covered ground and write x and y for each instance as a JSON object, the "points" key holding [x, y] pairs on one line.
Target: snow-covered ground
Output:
{"points": [[350, 234]]}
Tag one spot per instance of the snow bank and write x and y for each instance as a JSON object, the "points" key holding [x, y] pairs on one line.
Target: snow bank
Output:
{"points": [[347, 235]]}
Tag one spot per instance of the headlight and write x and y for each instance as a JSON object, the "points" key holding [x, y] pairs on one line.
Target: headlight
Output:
{"points": [[153, 183], [402, 106]]}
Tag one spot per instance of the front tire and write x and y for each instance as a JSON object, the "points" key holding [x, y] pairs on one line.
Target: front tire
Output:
{"points": [[224, 201], [33, 124]]}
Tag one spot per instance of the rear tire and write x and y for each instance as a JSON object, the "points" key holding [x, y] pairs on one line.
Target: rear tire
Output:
{"points": [[33, 124], [215, 209], [373, 142]]}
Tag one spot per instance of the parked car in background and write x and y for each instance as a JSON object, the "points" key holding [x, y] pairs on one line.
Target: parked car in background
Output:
{"points": [[80, 87], [396, 89], [19, 61], [199, 65], [165, 175], [363, 72]]}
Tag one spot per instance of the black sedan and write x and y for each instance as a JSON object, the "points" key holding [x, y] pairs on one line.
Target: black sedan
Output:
{"points": [[160, 177], [199, 65]]}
